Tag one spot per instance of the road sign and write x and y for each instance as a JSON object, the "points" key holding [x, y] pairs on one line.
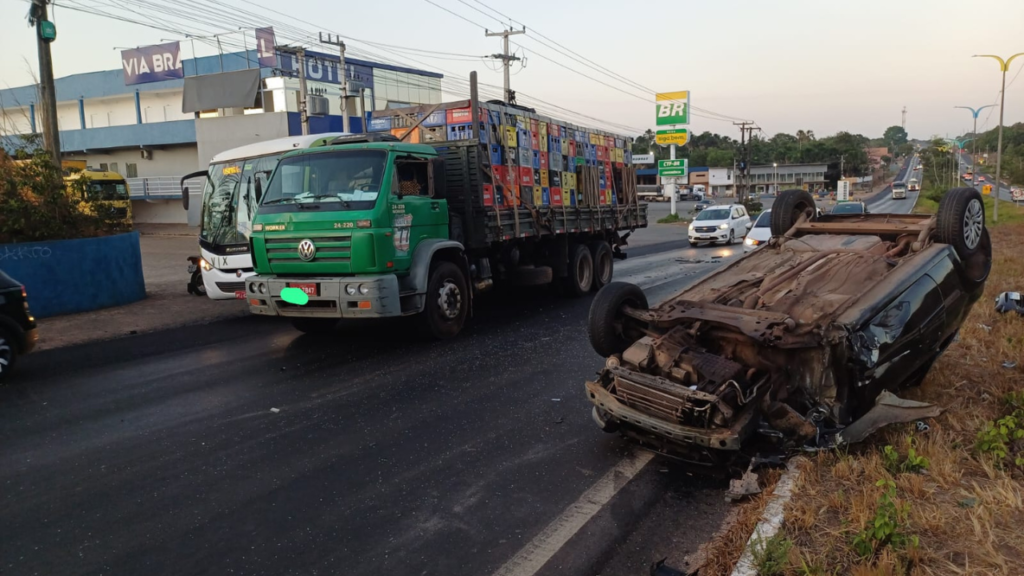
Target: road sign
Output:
{"points": [[679, 136], [672, 168], [672, 108], [986, 189], [842, 190]]}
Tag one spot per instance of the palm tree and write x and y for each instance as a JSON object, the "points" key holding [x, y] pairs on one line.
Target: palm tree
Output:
{"points": [[804, 136]]}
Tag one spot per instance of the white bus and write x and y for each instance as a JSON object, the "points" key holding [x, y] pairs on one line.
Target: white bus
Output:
{"points": [[229, 205], [913, 186]]}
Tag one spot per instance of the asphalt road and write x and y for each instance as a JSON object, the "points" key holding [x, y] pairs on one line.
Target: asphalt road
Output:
{"points": [[243, 447]]}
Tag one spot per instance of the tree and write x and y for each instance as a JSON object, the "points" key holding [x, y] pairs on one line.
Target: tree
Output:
{"points": [[803, 137], [894, 136]]}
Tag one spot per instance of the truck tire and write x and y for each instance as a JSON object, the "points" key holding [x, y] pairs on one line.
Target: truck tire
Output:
{"points": [[604, 268], [447, 301], [787, 209], [8, 354], [581, 271], [605, 326], [314, 325], [961, 221]]}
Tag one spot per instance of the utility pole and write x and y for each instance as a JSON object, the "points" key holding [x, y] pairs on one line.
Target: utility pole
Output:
{"points": [[904, 123], [506, 58], [46, 33], [745, 155], [342, 77], [300, 55], [842, 166]]}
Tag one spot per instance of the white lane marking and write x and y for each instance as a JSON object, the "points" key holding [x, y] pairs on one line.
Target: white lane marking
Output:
{"points": [[534, 555]]}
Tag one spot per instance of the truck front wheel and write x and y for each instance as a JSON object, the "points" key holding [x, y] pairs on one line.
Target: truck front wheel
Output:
{"points": [[447, 301]]}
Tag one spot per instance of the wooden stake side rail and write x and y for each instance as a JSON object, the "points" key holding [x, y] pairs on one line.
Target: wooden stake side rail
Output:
{"points": [[573, 220]]}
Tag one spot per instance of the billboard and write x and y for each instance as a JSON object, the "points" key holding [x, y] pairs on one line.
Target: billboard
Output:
{"points": [[678, 136], [643, 158], [673, 167], [320, 69], [152, 64], [672, 108], [265, 43]]}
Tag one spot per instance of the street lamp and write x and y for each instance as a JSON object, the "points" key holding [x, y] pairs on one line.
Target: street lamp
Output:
{"points": [[775, 185], [1004, 65], [975, 112]]}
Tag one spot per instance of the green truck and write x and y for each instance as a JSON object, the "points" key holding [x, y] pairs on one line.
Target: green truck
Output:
{"points": [[373, 225]]}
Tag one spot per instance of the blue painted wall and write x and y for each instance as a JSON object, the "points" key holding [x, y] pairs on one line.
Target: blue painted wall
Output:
{"points": [[67, 276]]}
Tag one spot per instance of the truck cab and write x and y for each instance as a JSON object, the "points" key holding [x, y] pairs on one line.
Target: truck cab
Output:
{"points": [[349, 219]]}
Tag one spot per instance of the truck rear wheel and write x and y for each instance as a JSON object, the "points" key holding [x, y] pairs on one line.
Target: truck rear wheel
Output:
{"points": [[444, 313], [581, 271], [601, 252], [314, 325]]}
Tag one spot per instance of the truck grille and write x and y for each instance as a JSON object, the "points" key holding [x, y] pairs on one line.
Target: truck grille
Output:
{"points": [[328, 249]]}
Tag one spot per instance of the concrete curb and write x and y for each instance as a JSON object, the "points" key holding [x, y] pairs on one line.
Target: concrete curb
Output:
{"points": [[771, 519]]}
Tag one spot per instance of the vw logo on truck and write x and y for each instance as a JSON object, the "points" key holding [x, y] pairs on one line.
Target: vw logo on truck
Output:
{"points": [[307, 250]]}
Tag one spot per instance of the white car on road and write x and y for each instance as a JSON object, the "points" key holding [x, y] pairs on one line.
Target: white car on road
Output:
{"points": [[726, 224], [760, 233]]}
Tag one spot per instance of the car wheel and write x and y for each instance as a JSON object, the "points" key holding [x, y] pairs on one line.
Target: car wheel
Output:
{"points": [[732, 238], [314, 325], [961, 221], [447, 305], [606, 324], [604, 267], [787, 209], [693, 244], [8, 354], [581, 271]]}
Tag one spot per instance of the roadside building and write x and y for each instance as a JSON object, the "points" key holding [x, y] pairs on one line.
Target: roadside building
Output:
{"points": [[770, 178], [875, 155], [717, 181], [141, 132]]}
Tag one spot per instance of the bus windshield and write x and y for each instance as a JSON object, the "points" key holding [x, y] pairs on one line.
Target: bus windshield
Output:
{"points": [[229, 199]]}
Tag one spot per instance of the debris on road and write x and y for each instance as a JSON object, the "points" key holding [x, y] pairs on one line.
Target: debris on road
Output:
{"points": [[275, 410], [1009, 364], [743, 486]]}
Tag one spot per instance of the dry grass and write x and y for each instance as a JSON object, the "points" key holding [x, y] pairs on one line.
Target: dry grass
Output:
{"points": [[719, 556], [967, 513]]}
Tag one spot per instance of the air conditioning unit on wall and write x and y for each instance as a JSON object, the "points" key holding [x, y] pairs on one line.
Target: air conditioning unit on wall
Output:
{"points": [[147, 154], [318, 105]]}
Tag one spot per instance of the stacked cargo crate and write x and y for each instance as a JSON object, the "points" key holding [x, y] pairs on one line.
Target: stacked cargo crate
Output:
{"points": [[533, 159]]}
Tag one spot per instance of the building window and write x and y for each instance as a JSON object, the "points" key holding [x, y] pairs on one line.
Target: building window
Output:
{"points": [[133, 170], [113, 167], [103, 167]]}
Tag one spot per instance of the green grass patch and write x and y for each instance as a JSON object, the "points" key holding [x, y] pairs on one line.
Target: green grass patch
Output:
{"points": [[673, 219], [1008, 212]]}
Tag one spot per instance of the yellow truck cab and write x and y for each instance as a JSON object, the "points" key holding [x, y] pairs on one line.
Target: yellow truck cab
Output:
{"points": [[106, 194]]}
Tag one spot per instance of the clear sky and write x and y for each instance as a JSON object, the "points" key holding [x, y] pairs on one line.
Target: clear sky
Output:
{"points": [[786, 64]]}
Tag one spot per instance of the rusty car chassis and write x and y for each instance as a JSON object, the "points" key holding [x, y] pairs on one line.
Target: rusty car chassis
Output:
{"points": [[796, 341]]}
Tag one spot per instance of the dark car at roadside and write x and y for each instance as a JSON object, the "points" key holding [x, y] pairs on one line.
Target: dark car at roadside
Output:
{"points": [[18, 333]]}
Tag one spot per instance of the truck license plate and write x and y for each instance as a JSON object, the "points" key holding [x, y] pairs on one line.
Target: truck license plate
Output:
{"points": [[310, 289]]}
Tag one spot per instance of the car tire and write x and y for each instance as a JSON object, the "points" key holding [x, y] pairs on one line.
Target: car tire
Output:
{"points": [[447, 301], [605, 323], [604, 266], [788, 208], [314, 325], [8, 354], [961, 221], [581, 271], [693, 244]]}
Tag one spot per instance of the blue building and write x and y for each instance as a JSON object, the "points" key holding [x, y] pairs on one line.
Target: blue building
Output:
{"points": [[141, 132]]}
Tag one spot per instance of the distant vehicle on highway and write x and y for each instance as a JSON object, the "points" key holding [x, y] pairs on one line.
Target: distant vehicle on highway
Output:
{"points": [[850, 208], [969, 176], [18, 333], [760, 233], [726, 224], [702, 204], [899, 190], [981, 179], [913, 186]]}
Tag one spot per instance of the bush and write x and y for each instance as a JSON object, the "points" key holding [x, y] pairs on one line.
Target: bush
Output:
{"points": [[670, 219], [37, 205], [754, 207]]}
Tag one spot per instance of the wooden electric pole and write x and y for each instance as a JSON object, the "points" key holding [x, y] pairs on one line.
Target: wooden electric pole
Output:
{"points": [[745, 159], [46, 33]]}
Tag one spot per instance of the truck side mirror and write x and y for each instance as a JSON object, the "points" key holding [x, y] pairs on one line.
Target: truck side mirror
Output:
{"points": [[184, 198]]}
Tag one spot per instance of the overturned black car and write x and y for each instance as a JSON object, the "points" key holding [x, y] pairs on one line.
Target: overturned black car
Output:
{"points": [[798, 343]]}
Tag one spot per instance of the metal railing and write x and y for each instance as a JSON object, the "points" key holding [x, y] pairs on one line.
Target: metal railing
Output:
{"points": [[161, 187]]}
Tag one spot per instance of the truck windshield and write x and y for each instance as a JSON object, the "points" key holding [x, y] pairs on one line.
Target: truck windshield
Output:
{"points": [[229, 200], [350, 178], [107, 190]]}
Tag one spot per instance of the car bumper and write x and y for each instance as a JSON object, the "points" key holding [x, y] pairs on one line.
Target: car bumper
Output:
{"points": [[221, 285], [31, 339], [716, 236], [331, 301]]}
